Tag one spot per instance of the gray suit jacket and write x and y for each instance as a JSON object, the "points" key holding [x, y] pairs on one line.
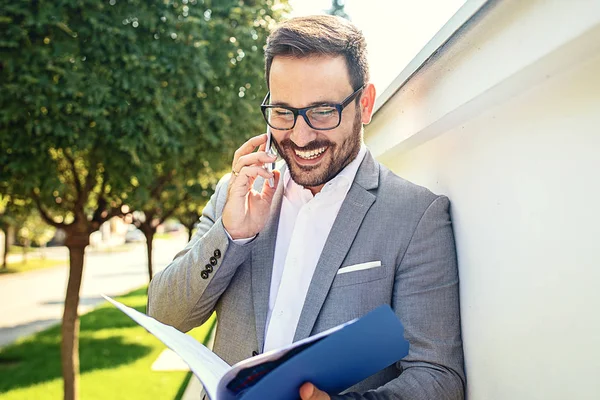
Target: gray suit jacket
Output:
{"points": [[383, 218]]}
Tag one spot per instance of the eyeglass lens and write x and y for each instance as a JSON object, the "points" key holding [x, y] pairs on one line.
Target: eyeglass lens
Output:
{"points": [[323, 117]]}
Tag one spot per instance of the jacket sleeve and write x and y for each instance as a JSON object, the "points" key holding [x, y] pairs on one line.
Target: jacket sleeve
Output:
{"points": [[426, 299], [179, 295]]}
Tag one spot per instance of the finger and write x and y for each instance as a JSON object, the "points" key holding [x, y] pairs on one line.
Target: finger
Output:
{"points": [[249, 147], [243, 181], [257, 159], [308, 391], [267, 191]]}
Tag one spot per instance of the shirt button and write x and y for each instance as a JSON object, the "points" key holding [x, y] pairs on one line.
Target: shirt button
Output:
{"points": [[208, 268], [204, 275], [218, 253], [213, 261]]}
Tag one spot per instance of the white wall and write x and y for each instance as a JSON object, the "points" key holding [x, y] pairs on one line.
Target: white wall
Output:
{"points": [[518, 153]]}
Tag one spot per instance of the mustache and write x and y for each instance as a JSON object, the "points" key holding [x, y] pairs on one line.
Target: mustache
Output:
{"points": [[317, 144]]}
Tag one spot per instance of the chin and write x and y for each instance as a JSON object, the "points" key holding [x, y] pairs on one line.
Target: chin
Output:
{"points": [[309, 177]]}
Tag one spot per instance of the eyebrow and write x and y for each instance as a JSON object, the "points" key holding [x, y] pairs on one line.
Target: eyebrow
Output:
{"points": [[313, 104]]}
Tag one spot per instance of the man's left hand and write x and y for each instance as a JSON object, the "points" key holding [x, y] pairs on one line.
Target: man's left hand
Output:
{"points": [[308, 391]]}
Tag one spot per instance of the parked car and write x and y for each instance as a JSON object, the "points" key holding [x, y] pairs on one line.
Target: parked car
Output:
{"points": [[134, 235]]}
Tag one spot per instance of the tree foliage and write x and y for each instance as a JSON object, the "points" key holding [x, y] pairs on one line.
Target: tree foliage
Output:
{"points": [[101, 97], [15, 213], [189, 212], [106, 104]]}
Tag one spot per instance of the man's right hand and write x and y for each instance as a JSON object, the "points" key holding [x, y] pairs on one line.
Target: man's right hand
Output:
{"points": [[246, 211]]}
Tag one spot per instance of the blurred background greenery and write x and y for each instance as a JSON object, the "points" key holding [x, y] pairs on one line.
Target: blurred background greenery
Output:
{"points": [[128, 109]]}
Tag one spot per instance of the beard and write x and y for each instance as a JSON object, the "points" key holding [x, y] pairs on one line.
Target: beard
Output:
{"points": [[339, 156]]}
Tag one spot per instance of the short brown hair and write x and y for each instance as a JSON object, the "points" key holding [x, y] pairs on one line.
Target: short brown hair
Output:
{"points": [[320, 35]]}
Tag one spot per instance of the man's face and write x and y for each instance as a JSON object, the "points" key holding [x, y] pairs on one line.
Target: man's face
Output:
{"points": [[314, 157]]}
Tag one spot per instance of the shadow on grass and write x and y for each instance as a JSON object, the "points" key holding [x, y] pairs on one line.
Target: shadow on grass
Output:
{"points": [[37, 359], [8, 271], [107, 318]]}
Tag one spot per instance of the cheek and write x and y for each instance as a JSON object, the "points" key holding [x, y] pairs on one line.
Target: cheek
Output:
{"points": [[343, 134], [349, 120], [277, 136]]}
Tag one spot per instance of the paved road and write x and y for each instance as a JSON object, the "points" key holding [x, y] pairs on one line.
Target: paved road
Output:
{"points": [[33, 301]]}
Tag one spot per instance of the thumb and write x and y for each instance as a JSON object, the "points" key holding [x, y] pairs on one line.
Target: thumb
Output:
{"points": [[308, 391]]}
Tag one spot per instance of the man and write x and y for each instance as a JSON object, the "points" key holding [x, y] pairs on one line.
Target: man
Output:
{"points": [[336, 236]]}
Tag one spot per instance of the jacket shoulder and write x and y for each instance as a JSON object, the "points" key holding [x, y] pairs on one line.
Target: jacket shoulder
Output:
{"points": [[401, 191]]}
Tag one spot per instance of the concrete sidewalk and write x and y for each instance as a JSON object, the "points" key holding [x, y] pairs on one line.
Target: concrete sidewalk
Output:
{"points": [[33, 301]]}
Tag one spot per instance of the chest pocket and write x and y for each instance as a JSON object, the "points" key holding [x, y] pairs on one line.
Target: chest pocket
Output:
{"points": [[359, 276]]}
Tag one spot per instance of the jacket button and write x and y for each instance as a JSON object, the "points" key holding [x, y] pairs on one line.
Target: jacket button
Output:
{"points": [[218, 253], [208, 268], [204, 275], [254, 353], [213, 261]]}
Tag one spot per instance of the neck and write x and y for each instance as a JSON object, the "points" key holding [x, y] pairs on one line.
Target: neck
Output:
{"points": [[314, 189]]}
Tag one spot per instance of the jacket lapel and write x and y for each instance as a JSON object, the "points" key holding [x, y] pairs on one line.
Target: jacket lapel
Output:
{"points": [[346, 225], [262, 264]]}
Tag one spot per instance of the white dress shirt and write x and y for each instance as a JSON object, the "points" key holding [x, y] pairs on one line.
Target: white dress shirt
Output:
{"points": [[304, 225]]}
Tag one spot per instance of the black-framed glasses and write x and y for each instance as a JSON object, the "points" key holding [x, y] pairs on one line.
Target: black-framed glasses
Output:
{"points": [[322, 117]]}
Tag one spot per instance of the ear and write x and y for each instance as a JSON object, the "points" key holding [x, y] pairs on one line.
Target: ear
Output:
{"points": [[367, 102]]}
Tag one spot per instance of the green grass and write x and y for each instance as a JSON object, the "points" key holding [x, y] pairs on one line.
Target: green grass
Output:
{"points": [[116, 356], [166, 235], [32, 264], [19, 249]]}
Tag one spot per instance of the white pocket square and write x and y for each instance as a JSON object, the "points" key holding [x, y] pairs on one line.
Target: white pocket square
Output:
{"points": [[359, 267]]}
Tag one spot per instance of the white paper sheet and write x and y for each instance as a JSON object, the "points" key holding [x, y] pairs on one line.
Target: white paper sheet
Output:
{"points": [[205, 364]]}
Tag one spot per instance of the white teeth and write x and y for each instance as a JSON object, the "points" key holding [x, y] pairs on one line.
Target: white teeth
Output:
{"points": [[308, 155]]}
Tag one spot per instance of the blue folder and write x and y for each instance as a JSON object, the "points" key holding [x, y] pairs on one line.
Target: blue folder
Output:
{"points": [[339, 360]]}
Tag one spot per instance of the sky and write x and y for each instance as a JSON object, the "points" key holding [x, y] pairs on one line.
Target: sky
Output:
{"points": [[396, 30]]}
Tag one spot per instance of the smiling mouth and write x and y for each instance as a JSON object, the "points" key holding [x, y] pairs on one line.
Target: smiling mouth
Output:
{"points": [[310, 155]]}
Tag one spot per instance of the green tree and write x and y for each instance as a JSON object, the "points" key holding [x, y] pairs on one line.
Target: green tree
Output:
{"points": [[189, 212], [9, 216], [168, 193], [100, 99], [5, 223], [224, 112], [34, 231], [20, 215]]}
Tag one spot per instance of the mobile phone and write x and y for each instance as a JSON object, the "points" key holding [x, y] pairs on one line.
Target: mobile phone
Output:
{"points": [[270, 166]]}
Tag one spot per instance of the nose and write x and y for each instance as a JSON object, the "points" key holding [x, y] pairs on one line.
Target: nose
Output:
{"points": [[302, 134]]}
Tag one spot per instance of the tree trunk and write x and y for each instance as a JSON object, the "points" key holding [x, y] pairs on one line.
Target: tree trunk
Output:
{"points": [[70, 323], [5, 255], [190, 233], [149, 239], [25, 247]]}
